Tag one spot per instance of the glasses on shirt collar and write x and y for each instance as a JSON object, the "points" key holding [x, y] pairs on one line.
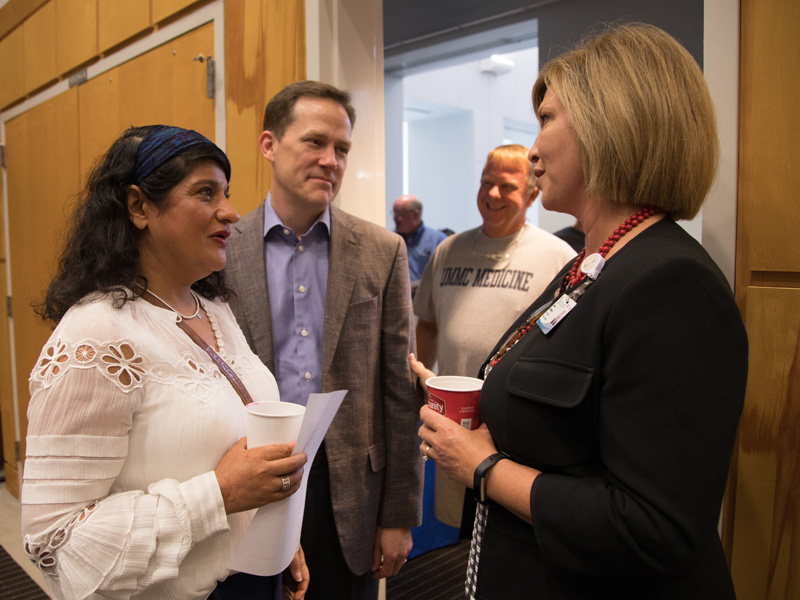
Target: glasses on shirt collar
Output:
{"points": [[498, 257]]}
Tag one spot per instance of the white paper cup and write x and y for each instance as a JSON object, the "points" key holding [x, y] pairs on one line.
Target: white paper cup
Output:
{"points": [[273, 423]]}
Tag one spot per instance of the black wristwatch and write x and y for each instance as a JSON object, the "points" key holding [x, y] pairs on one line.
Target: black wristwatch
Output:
{"points": [[479, 479]]}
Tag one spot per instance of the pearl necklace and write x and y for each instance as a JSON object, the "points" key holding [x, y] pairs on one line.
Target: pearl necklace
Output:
{"points": [[181, 316], [575, 276]]}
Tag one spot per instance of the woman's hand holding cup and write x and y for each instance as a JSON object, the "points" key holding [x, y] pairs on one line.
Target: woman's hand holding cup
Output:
{"points": [[252, 477]]}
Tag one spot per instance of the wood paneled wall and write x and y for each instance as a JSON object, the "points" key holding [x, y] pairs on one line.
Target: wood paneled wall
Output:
{"points": [[13, 80], [38, 48], [120, 20], [44, 41], [76, 33], [264, 50], [46, 177], [7, 419], [762, 532], [15, 12]]}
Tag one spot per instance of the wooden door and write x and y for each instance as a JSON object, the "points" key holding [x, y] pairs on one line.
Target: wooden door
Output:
{"points": [[762, 532], [49, 150], [164, 86], [43, 177], [7, 418]]}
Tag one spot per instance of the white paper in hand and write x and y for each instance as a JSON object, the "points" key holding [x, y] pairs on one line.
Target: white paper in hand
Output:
{"points": [[273, 537]]}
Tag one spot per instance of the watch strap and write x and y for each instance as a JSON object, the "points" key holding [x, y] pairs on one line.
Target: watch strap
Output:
{"points": [[479, 478]]}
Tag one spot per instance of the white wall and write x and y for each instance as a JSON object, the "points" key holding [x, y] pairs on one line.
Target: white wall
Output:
{"points": [[493, 101], [344, 47], [721, 60], [393, 124], [440, 170]]}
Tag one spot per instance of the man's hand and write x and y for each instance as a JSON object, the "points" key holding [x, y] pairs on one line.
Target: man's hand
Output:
{"points": [[392, 545], [295, 577], [421, 371]]}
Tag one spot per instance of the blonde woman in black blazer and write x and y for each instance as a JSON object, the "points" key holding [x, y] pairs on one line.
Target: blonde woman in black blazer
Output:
{"points": [[611, 405]]}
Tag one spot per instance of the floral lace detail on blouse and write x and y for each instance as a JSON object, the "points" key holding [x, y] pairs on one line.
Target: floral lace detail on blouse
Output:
{"points": [[121, 363], [118, 361], [44, 555]]}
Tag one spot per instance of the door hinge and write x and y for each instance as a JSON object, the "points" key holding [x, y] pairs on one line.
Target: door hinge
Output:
{"points": [[17, 456], [3, 156], [8, 307]]}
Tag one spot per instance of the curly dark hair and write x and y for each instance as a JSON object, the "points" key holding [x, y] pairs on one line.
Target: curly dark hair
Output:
{"points": [[101, 251]]}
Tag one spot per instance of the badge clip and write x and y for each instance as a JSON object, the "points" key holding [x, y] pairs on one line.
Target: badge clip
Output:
{"points": [[592, 265]]}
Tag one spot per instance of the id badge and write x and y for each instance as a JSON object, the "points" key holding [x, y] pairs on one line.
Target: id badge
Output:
{"points": [[555, 313]]}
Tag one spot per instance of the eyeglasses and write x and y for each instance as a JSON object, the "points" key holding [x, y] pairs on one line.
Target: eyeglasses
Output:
{"points": [[498, 257]]}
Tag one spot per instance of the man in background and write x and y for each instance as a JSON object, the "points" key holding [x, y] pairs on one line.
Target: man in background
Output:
{"points": [[420, 241], [479, 281], [323, 298]]}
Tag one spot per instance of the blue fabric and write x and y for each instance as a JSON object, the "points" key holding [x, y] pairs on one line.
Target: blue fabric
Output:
{"points": [[421, 245], [297, 279], [162, 143], [432, 533]]}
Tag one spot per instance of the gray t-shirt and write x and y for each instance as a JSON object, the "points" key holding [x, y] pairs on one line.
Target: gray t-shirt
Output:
{"points": [[475, 287]]}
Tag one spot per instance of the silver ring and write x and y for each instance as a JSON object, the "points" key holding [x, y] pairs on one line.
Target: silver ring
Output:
{"points": [[425, 454], [286, 483]]}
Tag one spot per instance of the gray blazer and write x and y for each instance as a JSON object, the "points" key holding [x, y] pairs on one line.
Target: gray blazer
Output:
{"points": [[372, 444]]}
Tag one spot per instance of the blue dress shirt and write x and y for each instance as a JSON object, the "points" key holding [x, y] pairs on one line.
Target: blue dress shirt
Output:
{"points": [[297, 278], [421, 244]]}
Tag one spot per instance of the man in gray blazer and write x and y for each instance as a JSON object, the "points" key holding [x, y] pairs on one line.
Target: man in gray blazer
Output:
{"points": [[323, 299]]}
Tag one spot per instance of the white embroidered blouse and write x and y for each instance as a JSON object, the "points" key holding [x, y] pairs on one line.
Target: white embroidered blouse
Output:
{"points": [[127, 420]]}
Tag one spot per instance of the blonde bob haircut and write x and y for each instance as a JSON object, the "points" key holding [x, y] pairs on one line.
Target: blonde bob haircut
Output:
{"points": [[511, 155], [643, 116]]}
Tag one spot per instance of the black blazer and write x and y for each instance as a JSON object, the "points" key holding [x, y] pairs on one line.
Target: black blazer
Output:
{"points": [[629, 407]]}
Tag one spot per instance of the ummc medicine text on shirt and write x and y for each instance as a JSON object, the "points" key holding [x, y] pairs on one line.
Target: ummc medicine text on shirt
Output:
{"points": [[511, 279]]}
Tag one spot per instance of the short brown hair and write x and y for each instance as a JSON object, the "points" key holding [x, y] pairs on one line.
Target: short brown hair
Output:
{"points": [[510, 153], [279, 113], [643, 116]]}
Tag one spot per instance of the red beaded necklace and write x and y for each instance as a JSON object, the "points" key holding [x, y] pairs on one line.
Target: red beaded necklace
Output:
{"points": [[575, 276]]}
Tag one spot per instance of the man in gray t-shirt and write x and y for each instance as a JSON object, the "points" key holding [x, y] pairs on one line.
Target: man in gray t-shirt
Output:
{"points": [[478, 282]]}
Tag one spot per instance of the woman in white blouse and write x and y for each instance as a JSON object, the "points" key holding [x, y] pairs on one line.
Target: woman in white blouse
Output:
{"points": [[137, 479]]}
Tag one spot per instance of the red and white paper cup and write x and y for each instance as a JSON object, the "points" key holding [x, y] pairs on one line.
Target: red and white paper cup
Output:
{"points": [[457, 398]]}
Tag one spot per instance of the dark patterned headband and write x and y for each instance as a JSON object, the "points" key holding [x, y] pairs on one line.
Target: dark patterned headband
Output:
{"points": [[162, 143]]}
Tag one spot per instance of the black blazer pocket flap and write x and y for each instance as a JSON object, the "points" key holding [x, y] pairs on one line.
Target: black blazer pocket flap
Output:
{"points": [[551, 382]]}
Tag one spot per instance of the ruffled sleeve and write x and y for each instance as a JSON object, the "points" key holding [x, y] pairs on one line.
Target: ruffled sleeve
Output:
{"points": [[84, 535]]}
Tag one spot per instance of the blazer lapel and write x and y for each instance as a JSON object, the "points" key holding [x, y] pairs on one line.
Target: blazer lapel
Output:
{"points": [[253, 297], [343, 263]]}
